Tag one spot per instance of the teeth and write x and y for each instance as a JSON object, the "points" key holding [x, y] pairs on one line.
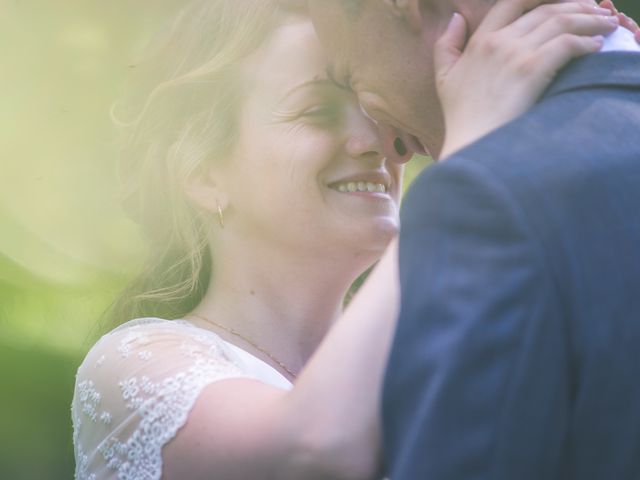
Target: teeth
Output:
{"points": [[369, 187]]}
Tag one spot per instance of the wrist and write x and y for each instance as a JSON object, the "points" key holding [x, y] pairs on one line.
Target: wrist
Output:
{"points": [[467, 130]]}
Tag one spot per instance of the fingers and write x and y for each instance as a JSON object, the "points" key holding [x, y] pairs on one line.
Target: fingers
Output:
{"points": [[448, 49], [536, 28], [628, 23], [555, 54], [505, 12], [535, 18], [625, 21], [608, 4], [574, 24]]}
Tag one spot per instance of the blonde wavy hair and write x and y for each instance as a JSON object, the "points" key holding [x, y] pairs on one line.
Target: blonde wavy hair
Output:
{"points": [[179, 114]]}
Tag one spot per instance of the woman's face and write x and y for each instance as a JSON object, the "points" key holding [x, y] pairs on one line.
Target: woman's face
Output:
{"points": [[307, 172]]}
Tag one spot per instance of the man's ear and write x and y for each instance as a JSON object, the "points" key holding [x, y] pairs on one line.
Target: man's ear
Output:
{"points": [[407, 10], [205, 191]]}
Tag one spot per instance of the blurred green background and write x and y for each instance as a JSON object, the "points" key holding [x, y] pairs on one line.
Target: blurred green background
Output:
{"points": [[66, 248]]}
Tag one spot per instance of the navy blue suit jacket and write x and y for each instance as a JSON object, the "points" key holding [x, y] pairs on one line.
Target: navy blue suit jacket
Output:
{"points": [[517, 354]]}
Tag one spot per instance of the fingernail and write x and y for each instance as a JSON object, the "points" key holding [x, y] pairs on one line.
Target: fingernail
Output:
{"points": [[628, 18], [401, 148], [599, 40], [603, 11], [613, 20], [453, 19]]}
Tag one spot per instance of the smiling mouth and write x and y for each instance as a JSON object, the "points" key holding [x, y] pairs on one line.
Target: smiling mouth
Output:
{"points": [[359, 187]]}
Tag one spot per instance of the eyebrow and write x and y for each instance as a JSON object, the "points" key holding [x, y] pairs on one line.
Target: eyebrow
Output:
{"points": [[331, 75]]}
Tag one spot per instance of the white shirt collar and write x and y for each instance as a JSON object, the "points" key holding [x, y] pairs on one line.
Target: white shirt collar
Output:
{"points": [[621, 40]]}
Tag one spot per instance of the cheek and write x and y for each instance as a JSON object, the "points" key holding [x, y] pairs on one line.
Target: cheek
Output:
{"points": [[303, 152], [285, 165]]}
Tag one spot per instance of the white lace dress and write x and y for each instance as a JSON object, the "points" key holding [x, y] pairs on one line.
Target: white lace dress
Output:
{"points": [[135, 390]]}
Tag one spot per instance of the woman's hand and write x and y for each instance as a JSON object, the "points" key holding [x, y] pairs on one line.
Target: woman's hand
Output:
{"points": [[509, 61], [626, 21]]}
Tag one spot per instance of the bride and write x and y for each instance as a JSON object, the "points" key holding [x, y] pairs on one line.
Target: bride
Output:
{"points": [[263, 192]]}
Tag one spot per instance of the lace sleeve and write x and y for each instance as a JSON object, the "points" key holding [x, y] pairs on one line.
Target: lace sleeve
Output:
{"points": [[134, 392]]}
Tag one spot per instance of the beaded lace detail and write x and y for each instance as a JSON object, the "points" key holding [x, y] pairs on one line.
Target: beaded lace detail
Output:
{"points": [[135, 390]]}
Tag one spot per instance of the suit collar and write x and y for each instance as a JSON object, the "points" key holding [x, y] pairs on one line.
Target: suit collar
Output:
{"points": [[610, 69]]}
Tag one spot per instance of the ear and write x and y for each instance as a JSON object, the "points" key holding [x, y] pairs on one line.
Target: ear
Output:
{"points": [[408, 11], [205, 191]]}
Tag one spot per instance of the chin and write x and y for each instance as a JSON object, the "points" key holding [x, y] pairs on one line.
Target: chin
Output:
{"points": [[373, 239], [362, 239]]}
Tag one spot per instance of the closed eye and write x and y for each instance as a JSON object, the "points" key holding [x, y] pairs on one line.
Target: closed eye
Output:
{"points": [[320, 111], [323, 115]]}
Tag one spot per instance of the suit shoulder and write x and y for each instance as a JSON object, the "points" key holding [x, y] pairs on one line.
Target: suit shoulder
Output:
{"points": [[565, 144]]}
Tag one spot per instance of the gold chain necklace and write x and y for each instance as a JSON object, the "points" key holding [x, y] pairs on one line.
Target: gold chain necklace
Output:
{"points": [[253, 344]]}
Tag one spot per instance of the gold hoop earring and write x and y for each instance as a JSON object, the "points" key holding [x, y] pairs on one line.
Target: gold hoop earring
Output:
{"points": [[220, 216]]}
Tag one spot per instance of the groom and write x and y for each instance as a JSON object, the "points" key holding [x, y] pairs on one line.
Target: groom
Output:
{"points": [[517, 354]]}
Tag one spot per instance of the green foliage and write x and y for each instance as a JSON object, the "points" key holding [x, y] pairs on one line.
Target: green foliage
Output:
{"points": [[630, 7], [65, 246]]}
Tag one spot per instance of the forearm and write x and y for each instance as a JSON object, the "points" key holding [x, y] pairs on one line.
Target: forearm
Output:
{"points": [[337, 397], [325, 427]]}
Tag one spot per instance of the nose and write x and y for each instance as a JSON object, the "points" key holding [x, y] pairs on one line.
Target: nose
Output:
{"points": [[395, 144], [363, 141]]}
